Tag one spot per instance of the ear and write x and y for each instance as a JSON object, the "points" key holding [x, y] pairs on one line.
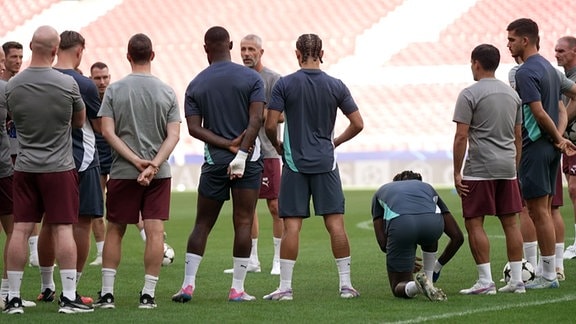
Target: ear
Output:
{"points": [[231, 45], [205, 48], [128, 57], [321, 53], [152, 56]]}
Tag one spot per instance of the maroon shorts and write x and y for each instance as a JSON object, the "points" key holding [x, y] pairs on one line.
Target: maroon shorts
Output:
{"points": [[126, 200], [569, 164], [558, 198], [6, 196], [54, 195], [270, 186], [491, 197]]}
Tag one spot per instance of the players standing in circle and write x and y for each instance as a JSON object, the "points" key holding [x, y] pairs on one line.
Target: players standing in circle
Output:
{"points": [[408, 212], [40, 95], [310, 99], [251, 51], [224, 105], [140, 177], [488, 121], [538, 85]]}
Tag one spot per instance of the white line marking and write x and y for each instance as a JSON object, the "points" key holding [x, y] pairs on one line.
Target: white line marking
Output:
{"points": [[487, 309]]}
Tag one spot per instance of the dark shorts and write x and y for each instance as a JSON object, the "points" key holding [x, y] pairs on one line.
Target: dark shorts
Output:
{"points": [[538, 167], [52, 195], [491, 197], [404, 233], [297, 188], [6, 196], [270, 179], [215, 182], [91, 200], [126, 200], [104, 155], [569, 164]]}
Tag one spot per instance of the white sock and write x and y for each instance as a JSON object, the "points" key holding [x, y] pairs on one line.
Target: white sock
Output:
{"points": [[239, 275], [575, 235], [14, 283], [277, 241], [254, 252], [343, 265], [143, 235], [33, 245], [108, 277], [538, 270], [548, 267], [99, 247], [437, 266], [149, 285], [4, 289], [47, 278], [192, 262], [531, 252], [515, 271], [286, 269], [560, 256], [484, 272], [428, 260], [411, 289], [68, 278]]}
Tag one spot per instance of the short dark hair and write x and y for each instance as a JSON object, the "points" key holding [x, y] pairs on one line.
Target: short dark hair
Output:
{"points": [[487, 55], [407, 175], [6, 47], [70, 38], [525, 27], [98, 65], [309, 45], [140, 48], [217, 36]]}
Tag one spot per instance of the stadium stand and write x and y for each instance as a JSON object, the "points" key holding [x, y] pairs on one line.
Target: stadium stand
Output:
{"points": [[486, 22], [16, 13], [408, 113]]}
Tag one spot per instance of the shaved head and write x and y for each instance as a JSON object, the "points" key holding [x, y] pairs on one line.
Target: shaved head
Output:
{"points": [[217, 44], [44, 40], [216, 36]]}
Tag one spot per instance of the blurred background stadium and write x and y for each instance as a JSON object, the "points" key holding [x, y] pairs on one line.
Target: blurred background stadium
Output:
{"points": [[404, 60]]}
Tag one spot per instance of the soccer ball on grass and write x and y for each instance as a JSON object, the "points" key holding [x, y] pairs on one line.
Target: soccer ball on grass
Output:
{"points": [[168, 255], [528, 272]]}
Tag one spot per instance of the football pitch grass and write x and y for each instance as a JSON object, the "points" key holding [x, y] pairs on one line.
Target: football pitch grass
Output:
{"points": [[315, 282]]}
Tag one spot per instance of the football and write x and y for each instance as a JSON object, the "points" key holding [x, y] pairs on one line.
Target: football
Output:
{"points": [[527, 271], [168, 255]]}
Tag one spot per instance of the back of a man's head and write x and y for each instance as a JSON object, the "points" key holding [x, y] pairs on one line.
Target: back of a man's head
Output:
{"points": [[216, 36], [487, 55], [44, 41], [70, 39], [140, 48]]}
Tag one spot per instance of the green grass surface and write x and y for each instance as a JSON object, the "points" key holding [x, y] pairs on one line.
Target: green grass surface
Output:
{"points": [[315, 281]]}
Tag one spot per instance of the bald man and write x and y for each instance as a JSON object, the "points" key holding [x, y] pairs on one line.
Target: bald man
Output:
{"points": [[45, 104]]}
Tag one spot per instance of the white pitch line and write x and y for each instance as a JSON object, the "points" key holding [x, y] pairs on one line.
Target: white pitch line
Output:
{"points": [[487, 309]]}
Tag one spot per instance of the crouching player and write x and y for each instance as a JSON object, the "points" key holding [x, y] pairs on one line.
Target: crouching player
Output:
{"points": [[408, 212]]}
